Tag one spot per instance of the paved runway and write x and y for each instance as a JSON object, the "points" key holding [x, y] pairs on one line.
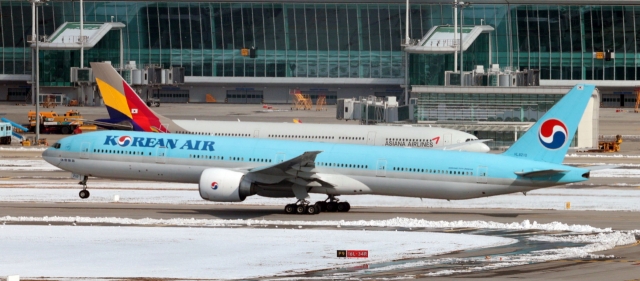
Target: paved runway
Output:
{"points": [[601, 219]]}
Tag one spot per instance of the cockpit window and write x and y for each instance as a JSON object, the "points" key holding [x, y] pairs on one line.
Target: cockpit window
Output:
{"points": [[468, 140], [56, 145]]}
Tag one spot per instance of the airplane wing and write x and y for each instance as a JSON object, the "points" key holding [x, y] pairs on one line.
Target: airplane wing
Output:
{"points": [[459, 145], [298, 170], [540, 173]]}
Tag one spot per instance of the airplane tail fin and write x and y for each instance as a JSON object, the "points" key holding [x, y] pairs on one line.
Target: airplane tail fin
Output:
{"points": [[123, 104], [548, 139]]}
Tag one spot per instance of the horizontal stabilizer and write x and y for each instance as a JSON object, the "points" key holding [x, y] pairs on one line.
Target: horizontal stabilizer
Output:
{"points": [[111, 124], [540, 173], [459, 146]]}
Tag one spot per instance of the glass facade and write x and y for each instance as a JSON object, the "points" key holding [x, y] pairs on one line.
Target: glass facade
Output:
{"points": [[484, 107], [292, 40], [330, 40], [559, 40]]}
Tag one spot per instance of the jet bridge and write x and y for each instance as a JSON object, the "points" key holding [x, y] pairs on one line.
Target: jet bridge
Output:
{"points": [[67, 36], [440, 39]]}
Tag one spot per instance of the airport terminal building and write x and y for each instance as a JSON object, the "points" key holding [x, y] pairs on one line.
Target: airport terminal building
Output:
{"points": [[253, 51]]}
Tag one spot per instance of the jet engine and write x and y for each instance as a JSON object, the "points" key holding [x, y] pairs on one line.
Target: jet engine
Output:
{"points": [[223, 185]]}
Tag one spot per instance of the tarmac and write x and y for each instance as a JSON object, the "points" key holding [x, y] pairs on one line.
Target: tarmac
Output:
{"points": [[625, 265]]}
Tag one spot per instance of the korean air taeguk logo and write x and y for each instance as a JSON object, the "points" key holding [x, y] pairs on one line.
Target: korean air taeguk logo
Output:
{"points": [[553, 134], [214, 185], [124, 141]]}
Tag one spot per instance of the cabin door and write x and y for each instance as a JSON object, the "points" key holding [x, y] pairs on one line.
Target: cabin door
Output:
{"points": [[481, 176], [371, 138], [447, 139], [84, 150], [256, 133], [161, 154], [280, 157], [381, 169]]}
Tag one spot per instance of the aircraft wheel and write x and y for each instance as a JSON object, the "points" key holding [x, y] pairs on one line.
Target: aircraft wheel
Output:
{"points": [[290, 209], [311, 209], [322, 206], [84, 194], [332, 207], [65, 130], [348, 206], [300, 209], [343, 207]]}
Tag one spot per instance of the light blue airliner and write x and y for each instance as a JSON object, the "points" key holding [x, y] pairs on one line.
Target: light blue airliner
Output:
{"points": [[230, 169]]}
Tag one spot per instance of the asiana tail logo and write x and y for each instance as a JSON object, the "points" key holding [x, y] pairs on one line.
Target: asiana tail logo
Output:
{"points": [[124, 141]]}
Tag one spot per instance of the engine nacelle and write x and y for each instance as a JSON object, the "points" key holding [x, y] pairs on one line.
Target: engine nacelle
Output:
{"points": [[224, 185]]}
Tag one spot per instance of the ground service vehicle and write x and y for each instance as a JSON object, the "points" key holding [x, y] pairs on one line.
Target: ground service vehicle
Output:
{"points": [[5, 133], [51, 122]]}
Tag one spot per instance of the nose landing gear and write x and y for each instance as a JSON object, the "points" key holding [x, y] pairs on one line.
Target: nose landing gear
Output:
{"points": [[84, 193]]}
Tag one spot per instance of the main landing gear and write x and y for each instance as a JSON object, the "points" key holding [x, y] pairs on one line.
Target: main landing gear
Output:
{"points": [[331, 204], [302, 207], [84, 193]]}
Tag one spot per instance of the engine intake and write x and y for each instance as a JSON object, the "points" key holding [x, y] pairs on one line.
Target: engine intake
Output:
{"points": [[223, 185]]}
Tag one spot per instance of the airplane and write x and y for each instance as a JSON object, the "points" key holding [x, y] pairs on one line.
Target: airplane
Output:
{"points": [[229, 169], [127, 110]]}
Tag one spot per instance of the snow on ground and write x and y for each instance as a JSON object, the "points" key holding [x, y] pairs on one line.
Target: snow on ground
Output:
{"points": [[26, 165], [20, 148], [396, 222], [170, 252], [196, 250], [68, 183], [594, 243], [549, 198], [616, 173], [574, 155]]}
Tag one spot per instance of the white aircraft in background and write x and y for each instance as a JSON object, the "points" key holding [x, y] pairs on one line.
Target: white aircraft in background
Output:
{"points": [[126, 109]]}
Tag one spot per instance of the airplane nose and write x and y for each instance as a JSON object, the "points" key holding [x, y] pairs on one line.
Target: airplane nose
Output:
{"points": [[48, 156], [483, 148]]}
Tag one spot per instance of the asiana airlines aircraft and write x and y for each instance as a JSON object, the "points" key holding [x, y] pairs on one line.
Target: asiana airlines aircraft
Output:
{"points": [[229, 169], [127, 110]]}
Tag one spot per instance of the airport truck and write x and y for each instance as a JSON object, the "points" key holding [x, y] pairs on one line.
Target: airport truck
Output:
{"points": [[6, 131], [51, 122]]}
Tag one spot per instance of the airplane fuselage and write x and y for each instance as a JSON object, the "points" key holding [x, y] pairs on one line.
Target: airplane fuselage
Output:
{"points": [[401, 136], [351, 169]]}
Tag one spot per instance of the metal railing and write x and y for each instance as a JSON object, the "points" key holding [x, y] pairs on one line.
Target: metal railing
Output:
{"points": [[442, 43], [74, 39]]}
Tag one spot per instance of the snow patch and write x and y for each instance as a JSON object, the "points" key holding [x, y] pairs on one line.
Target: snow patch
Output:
{"points": [[396, 222], [221, 253], [27, 165]]}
